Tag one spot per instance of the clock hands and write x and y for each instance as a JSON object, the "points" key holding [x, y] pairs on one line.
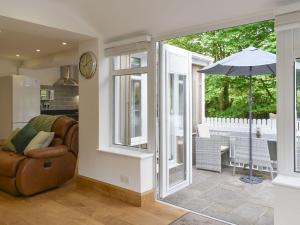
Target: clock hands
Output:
{"points": [[87, 63]]}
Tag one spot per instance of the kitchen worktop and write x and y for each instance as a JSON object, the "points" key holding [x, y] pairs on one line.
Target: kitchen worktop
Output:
{"points": [[73, 113]]}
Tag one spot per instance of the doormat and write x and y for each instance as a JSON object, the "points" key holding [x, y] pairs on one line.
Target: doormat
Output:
{"points": [[194, 219]]}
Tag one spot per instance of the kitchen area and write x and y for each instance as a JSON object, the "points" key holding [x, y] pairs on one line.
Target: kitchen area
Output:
{"points": [[39, 74], [32, 92], [61, 98]]}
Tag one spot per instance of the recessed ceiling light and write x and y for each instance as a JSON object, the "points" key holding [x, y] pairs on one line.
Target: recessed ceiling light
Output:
{"points": [[37, 50], [18, 55], [64, 43]]}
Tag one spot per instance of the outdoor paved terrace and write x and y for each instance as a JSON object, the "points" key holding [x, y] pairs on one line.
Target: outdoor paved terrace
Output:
{"points": [[224, 196]]}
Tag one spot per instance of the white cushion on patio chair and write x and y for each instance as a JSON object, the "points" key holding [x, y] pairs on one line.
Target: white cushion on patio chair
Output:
{"points": [[203, 131], [224, 148]]}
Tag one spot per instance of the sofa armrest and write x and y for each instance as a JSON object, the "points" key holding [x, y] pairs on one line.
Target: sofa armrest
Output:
{"points": [[2, 142], [50, 152]]}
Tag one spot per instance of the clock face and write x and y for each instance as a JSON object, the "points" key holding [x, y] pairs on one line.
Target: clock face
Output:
{"points": [[88, 64]]}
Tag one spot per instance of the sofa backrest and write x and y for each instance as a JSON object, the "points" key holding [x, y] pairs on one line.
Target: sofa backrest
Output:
{"points": [[71, 139], [66, 132]]}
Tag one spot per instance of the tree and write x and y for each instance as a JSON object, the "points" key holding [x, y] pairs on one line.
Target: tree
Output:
{"points": [[228, 96]]}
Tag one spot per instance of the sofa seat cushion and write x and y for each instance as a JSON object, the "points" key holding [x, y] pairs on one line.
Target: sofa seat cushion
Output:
{"points": [[9, 162]]}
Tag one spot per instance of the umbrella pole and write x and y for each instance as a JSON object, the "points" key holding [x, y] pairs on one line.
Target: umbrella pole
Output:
{"points": [[250, 178], [250, 129]]}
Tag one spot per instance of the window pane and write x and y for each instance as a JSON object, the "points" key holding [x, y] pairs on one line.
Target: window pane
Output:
{"points": [[135, 60], [297, 116], [116, 63], [177, 124], [130, 110], [136, 128], [138, 60], [124, 62]]}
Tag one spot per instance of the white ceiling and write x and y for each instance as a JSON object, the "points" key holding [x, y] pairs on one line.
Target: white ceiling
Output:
{"points": [[18, 37], [113, 18]]}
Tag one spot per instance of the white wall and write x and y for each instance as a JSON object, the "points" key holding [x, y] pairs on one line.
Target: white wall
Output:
{"points": [[53, 60], [287, 183], [8, 67], [94, 131], [46, 76]]}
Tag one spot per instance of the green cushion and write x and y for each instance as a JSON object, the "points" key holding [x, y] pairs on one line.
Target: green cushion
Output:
{"points": [[43, 122], [41, 140], [23, 137], [9, 145]]}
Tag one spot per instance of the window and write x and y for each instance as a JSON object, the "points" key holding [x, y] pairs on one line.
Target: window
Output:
{"points": [[130, 100], [297, 115], [177, 84], [135, 60]]}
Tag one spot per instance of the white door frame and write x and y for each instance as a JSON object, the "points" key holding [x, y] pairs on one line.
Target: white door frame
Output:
{"points": [[165, 70]]}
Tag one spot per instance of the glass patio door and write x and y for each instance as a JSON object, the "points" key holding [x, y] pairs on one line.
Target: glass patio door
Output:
{"points": [[175, 117]]}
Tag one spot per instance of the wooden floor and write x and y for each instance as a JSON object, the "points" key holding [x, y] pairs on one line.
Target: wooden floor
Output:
{"points": [[77, 204]]}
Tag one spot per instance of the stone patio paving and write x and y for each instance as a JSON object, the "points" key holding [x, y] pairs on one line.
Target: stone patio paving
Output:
{"points": [[225, 197]]}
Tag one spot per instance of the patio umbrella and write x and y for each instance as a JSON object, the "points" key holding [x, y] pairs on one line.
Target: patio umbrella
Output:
{"points": [[248, 62]]}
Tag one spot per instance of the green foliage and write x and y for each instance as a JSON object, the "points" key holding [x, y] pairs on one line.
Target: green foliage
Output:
{"points": [[228, 96]]}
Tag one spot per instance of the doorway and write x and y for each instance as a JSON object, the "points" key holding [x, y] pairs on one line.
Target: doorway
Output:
{"points": [[179, 81], [183, 180]]}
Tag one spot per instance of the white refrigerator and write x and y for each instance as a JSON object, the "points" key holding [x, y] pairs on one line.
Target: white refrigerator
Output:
{"points": [[19, 102]]}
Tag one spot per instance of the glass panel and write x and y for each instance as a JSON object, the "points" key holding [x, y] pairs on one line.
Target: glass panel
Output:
{"points": [[130, 121], [138, 60], [297, 116], [177, 127], [120, 110], [135, 60], [136, 123], [124, 62], [116, 63]]}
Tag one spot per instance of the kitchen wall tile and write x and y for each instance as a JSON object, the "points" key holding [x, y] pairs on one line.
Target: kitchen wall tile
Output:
{"points": [[65, 97]]}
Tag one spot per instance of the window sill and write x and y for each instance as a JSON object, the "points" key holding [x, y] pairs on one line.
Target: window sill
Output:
{"points": [[287, 181], [125, 152]]}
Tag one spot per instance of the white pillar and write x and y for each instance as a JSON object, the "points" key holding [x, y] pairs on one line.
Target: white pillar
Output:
{"points": [[287, 183]]}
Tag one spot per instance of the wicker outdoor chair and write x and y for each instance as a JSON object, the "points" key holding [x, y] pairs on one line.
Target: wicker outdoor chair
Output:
{"points": [[239, 154], [209, 151]]}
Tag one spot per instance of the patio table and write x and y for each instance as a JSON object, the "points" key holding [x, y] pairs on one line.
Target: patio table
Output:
{"points": [[271, 139]]}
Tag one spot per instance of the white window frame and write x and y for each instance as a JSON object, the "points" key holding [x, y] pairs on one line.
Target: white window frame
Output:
{"points": [[143, 139]]}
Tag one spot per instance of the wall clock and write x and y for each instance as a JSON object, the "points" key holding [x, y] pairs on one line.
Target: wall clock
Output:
{"points": [[88, 65]]}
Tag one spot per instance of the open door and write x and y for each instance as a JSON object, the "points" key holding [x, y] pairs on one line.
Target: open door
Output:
{"points": [[175, 119]]}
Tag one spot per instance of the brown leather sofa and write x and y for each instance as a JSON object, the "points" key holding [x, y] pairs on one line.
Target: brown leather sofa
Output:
{"points": [[42, 169]]}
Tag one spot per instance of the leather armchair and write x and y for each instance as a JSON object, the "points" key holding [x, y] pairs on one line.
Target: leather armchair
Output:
{"points": [[42, 169]]}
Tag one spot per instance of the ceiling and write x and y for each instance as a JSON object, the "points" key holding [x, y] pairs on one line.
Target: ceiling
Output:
{"points": [[113, 18], [79, 20], [19, 37]]}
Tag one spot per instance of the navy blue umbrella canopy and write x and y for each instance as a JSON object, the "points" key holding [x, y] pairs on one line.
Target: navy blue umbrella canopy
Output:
{"points": [[248, 62]]}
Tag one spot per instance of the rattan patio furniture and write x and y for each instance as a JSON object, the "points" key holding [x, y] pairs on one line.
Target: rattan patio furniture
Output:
{"points": [[239, 154], [209, 151]]}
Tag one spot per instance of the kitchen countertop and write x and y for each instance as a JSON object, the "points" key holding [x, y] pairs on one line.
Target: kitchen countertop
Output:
{"points": [[73, 113]]}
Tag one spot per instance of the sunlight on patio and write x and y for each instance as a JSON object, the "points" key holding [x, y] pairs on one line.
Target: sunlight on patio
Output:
{"points": [[224, 196]]}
